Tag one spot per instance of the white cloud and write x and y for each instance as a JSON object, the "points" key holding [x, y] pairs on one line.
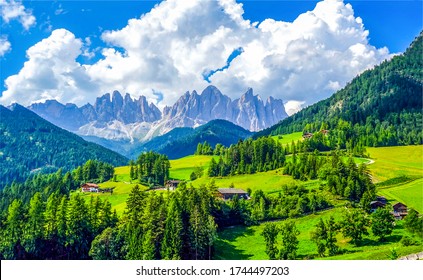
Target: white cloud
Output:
{"points": [[293, 106], [14, 10], [51, 72], [168, 49], [5, 45]]}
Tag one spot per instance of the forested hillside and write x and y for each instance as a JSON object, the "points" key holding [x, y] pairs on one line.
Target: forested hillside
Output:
{"points": [[181, 142], [30, 144], [380, 107]]}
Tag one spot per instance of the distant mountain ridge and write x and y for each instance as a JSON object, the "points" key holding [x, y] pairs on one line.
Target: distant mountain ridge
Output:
{"points": [[106, 109], [118, 118], [28, 143]]}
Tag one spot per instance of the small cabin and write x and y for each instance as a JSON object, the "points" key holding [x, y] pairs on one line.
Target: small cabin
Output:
{"points": [[307, 135], [172, 184], [229, 193], [89, 187], [400, 211], [400, 208], [374, 205]]}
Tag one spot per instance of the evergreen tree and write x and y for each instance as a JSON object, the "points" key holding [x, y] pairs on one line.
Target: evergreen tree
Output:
{"points": [[172, 241]]}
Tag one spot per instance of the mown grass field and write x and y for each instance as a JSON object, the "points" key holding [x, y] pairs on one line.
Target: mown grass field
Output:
{"points": [[247, 243], [182, 168], [269, 182], [411, 194], [391, 162], [288, 138]]}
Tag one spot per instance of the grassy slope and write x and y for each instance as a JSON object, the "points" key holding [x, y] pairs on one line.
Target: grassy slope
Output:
{"points": [[410, 194], [236, 243], [182, 168], [288, 138], [391, 162]]}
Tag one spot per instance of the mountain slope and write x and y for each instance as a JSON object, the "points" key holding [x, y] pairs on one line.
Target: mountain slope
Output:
{"points": [[29, 143], [181, 142], [384, 104]]}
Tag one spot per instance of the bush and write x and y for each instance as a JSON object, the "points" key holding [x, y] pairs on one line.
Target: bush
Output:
{"points": [[407, 241]]}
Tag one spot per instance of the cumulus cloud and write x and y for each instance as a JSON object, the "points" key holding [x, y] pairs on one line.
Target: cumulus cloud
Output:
{"points": [[5, 45], [293, 106], [169, 49], [51, 72], [14, 10]]}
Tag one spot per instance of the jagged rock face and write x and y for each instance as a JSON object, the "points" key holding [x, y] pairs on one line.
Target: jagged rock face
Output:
{"points": [[249, 111], [105, 110], [117, 117]]}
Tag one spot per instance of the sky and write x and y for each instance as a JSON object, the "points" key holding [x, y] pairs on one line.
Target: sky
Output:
{"points": [[298, 51]]}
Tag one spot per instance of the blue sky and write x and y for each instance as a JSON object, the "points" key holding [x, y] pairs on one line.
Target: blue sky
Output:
{"points": [[391, 24]]}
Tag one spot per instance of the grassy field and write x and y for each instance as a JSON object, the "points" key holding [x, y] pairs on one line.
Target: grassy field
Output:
{"points": [[236, 243], [269, 182], [391, 162], [182, 168], [410, 194], [288, 138]]}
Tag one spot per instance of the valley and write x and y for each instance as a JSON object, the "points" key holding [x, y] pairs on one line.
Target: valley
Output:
{"points": [[235, 242], [223, 179]]}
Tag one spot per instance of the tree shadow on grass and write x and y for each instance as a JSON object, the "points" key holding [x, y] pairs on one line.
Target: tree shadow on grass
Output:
{"points": [[225, 244], [395, 238]]}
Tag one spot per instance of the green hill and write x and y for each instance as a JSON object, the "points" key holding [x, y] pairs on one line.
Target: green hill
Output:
{"points": [[181, 142], [383, 106], [30, 144]]}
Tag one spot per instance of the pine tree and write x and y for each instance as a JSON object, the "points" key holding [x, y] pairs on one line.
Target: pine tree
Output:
{"points": [[172, 241]]}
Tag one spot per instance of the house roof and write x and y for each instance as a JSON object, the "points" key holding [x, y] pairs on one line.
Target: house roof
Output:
{"points": [[231, 191], [173, 182], [377, 203], [399, 204], [90, 185]]}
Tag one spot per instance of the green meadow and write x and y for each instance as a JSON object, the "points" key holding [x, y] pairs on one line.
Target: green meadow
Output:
{"points": [[391, 162], [288, 138], [236, 243], [182, 168], [402, 166], [410, 194]]}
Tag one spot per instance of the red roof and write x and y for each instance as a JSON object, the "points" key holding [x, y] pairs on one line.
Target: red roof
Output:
{"points": [[90, 185]]}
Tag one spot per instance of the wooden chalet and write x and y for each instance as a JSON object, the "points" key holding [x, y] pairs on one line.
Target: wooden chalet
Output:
{"points": [[374, 205], [228, 193], [172, 184], [324, 131], [400, 211], [89, 187], [307, 135]]}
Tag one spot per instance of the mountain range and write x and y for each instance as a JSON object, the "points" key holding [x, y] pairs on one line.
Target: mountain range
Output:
{"points": [[118, 118]]}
